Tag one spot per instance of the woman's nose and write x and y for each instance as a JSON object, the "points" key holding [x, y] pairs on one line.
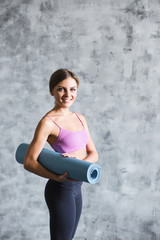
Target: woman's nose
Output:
{"points": [[67, 93]]}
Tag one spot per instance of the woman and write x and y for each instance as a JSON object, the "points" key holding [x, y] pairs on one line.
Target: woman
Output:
{"points": [[68, 134]]}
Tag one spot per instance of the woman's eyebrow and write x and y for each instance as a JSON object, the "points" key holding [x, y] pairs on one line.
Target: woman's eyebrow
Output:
{"points": [[65, 87], [60, 86]]}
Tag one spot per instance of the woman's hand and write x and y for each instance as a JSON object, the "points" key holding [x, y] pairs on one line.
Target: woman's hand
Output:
{"points": [[64, 178], [61, 178], [68, 155]]}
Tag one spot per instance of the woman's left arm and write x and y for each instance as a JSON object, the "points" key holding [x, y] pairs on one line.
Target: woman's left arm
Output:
{"points": [[92, 154]]}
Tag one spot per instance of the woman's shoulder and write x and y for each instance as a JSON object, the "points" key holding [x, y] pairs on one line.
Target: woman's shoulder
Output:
{"points": [[44, 126], [49, 116], [46, 121], [81, 116]]}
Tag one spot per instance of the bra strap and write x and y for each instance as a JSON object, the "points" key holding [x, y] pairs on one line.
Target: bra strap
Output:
{"points": [[53, 121], [79, 119]]}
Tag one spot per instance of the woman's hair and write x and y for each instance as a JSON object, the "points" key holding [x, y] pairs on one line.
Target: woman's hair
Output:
{"points": [[59, 76]]}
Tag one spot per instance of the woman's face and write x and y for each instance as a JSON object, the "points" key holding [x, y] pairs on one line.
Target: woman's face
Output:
{"points": [[65, 92]]}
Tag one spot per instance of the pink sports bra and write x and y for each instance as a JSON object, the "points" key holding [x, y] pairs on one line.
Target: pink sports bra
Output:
{"points": [[70, 141]]}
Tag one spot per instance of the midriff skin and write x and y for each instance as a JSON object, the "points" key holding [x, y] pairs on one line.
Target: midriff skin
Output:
{"points": [[80, 154]]}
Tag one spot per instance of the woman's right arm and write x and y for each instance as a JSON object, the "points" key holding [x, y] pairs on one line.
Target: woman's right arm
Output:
{"points": [[31, 164]]}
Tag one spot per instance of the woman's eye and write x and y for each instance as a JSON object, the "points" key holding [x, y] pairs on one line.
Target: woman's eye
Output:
{"points": [[73, 89], [60, 89]]}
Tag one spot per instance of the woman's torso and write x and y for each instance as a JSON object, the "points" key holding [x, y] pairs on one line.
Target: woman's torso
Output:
{"points": [[68, 135]]}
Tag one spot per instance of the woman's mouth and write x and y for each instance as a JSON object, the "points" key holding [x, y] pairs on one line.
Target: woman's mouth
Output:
{"points": [[66, 100]]}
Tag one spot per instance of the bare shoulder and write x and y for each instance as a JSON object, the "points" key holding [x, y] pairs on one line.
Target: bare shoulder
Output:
{"points": [[46, 124], [82, 117]]}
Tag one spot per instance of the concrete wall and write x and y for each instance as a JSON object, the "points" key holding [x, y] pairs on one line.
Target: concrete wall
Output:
{"points": [[114, 48]]}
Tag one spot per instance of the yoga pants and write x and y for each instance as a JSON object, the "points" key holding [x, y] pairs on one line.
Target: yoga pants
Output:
{"points": [[64, 201]]}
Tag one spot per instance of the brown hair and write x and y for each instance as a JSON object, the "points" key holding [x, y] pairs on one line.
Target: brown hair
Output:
{"points": [[59, 76]]}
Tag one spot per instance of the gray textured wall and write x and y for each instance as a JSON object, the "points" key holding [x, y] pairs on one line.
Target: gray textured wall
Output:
{"points": [[113, 47]]}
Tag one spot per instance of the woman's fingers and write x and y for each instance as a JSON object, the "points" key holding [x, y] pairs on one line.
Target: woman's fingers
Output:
{"points": [[63, 177], [67, 155]]}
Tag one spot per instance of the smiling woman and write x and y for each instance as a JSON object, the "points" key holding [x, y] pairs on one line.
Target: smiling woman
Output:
{"points": [[67, 133], [65, 93]]}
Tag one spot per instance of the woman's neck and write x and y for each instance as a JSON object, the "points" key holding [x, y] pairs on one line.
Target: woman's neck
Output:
{"points": [[61, 111]]}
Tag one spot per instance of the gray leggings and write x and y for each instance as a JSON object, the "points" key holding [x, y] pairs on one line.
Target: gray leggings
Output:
{"points": [[64, 201]]}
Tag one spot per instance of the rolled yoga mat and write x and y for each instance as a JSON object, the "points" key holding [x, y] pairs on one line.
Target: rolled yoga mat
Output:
{"points": [[55, 162]]}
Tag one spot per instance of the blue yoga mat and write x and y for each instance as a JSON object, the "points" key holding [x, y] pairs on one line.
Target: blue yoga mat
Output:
{"points": [[55, 162]]}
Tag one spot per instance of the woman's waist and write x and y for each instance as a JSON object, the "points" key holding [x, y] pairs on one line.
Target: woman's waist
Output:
{"points": [[79, 154], [69, 183]]}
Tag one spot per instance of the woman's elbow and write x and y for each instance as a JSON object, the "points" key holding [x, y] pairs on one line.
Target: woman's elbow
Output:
{"points": [[28, 163]]}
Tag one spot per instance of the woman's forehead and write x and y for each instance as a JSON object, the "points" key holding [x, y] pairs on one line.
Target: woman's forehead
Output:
{"points": [[68, 82]]}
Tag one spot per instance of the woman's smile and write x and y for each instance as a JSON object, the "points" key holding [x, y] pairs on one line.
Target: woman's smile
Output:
{"points": [[67, 100]]}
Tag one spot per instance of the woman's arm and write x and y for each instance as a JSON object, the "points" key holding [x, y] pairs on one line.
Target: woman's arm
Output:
{"points": [[31, 164], [92, 155]]}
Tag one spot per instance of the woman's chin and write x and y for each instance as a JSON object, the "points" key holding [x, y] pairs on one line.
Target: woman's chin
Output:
{"points": [[64, 104], [67, 104]]}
